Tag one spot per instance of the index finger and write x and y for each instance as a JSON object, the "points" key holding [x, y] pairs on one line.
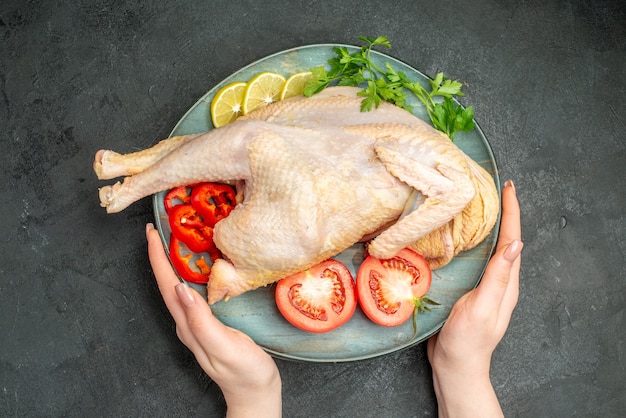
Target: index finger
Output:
{"points": [[164, 273], [510, 223], [500, 280]]}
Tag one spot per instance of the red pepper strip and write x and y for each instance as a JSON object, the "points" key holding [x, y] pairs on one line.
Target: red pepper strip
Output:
{"points": [[179, 193], [187, 225], [181, 264], [214, 201]]}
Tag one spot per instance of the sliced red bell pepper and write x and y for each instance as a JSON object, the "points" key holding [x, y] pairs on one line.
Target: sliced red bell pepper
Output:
{"points": [[177, 196], [182, 261], [187, 225], [214, 201], [192, 212]]}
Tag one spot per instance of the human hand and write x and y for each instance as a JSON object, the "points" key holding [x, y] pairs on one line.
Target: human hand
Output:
{"points": [[460, 354], [247, 375]]}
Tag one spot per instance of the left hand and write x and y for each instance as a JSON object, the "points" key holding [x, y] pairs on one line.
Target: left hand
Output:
{"points": [[247, 375]]}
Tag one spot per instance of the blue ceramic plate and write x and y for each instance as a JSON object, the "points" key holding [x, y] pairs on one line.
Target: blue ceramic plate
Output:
{"points": [[255, 312]]}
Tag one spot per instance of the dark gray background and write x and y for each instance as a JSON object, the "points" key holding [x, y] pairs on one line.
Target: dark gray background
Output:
{"points": [[84, 331]]}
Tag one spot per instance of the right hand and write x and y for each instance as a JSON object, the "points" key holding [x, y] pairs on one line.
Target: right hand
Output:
{"points": [[460, 354]]}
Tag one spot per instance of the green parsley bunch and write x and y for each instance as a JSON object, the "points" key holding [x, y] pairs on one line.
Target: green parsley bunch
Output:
{"points": [[354, 69]]}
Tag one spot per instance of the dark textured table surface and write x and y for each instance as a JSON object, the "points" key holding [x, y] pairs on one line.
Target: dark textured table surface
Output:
{"points": [[84, 331]]}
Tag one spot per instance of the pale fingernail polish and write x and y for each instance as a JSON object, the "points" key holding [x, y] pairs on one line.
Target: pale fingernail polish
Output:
{"points": [[509, 183], [149, 227], [184, 294], [513, 250]]}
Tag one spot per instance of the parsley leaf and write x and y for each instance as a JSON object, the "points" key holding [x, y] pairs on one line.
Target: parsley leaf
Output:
{"points": [[357, 68], [451, 118]]}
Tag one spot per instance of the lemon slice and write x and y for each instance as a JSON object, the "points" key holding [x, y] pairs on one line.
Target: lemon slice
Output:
{"points": [[226, 104], [294, 86], [262, 90]]}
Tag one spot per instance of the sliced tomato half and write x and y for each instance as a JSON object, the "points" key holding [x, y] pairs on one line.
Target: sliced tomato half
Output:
{"points": [[319, 299], [388, 290]]}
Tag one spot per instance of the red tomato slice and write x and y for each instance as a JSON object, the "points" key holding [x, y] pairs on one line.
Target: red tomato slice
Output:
{"points": [[319, 299], [387, 289]]}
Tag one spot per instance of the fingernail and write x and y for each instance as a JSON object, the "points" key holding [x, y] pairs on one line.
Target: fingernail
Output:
{"points": [[513, 250], [149, 227], [509, 183], [184, 294]]}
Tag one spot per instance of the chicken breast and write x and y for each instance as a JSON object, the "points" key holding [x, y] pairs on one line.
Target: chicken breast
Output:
{"points": [[318, 176]]}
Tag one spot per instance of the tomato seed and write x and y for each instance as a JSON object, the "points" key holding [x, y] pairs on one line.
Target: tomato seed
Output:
{"points": [[377, 294], [306, 309]]}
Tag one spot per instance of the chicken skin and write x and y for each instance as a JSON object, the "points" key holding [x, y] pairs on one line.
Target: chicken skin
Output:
{"points": [[317, 176]]}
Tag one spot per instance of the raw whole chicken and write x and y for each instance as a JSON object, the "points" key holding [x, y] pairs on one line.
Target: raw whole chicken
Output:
{"points": [[317, 176]]}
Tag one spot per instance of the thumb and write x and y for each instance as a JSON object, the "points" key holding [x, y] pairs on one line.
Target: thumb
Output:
{"points": [[212, 336]]}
